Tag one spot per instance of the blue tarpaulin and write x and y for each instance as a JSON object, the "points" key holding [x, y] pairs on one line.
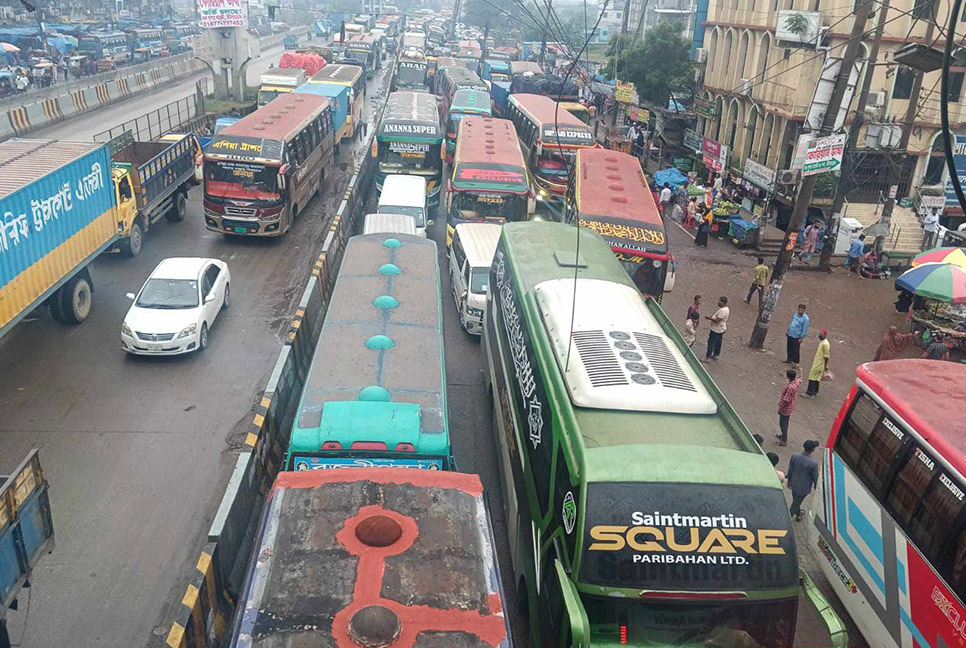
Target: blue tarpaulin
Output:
{"points": [[670, 176]]}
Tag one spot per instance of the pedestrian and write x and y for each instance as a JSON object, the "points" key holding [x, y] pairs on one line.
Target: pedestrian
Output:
{"points": [[893, 345], [691, 212], [758, 283], [856, 247], [819, 364], [809, 242], [797, 331], [930, 229], [632, 132], [704, 228], [716, 187], [641, 142], [773, 458], [937, 349], [786, 405], [719, 324], [802, 477], [665, 198], [691, 328], [694, 307]]}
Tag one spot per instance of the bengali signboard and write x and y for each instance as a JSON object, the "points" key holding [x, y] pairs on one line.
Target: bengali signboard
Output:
{"points": [[714, 154], [704, 107], [959, 159], [759, 175], [221, 13], [692, 140], [824, 154]]}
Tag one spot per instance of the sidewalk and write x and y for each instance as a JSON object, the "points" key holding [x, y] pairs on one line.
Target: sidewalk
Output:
{"points": [[856, 312]]}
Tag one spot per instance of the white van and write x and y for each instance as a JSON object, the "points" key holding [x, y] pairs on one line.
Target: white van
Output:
{"points": [[405, 194], [389, 224], [474, 245]]}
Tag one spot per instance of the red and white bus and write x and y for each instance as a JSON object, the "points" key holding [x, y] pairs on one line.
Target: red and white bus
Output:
{"points": [[261, 171], [889, 519]]}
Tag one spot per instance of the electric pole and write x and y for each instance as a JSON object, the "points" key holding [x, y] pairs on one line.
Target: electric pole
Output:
{"points": [[808, 183], [543, 42], [895, 169], [831, 228]]}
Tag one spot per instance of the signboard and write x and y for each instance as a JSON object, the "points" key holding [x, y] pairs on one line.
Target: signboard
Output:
{"points": [[624, 92], [221, 13], [692, 140], [704, 107], [714, 154], [759, 175], [799, 27], [638, 114], [824, 154], [702, 538], [568, 135], [501, 175], [249, 148], [929, 203], [327, 463], [823, 93], [959, 159]]}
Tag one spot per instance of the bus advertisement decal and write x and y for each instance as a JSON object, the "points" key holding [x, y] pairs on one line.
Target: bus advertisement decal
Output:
{"points": [[699, 537], [501, 175], [301, 463], [632, 237]]}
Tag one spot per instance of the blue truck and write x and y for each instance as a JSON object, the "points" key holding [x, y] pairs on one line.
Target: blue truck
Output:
{"points": [[26, 531], [339, 98], [499, 93]]}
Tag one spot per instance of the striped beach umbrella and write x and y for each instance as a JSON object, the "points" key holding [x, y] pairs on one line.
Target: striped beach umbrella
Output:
{"points": [[952, 255], [940, 281]]}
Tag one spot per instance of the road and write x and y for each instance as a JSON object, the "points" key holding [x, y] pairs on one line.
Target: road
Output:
{"points": [[138, 450]]}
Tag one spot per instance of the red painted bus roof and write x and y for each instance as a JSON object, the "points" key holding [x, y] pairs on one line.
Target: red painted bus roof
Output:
{"points": [[488, 140], [544, 109], [927, 394], [612, 184], [279, 118]]}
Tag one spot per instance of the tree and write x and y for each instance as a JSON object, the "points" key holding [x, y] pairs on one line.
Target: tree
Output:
{"points": [[659, 64]]}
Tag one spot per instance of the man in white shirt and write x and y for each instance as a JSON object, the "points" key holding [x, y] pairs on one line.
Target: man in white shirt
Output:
{"points": [[716, 187], [665, 198], [719, 324], [930, 229]]}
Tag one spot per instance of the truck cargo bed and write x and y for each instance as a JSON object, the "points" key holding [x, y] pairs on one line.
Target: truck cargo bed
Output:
{"points": [[158, 168]]}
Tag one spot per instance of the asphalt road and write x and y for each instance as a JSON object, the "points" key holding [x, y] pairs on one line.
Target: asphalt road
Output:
{"points": [[138, 450]]}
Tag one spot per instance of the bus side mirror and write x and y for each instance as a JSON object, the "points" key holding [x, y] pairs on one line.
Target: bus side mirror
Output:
{"points": [[281, 179], [531, 202], [539, 149]]}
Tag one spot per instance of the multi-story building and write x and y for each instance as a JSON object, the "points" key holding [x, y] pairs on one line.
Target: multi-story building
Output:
{"points": [[758, 84]]}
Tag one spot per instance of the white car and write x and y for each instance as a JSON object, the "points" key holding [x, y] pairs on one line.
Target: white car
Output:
{"points": [[176, 307]]}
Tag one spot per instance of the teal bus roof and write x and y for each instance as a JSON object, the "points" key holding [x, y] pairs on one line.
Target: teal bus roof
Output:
{"points": [[377, 376], [474, 101], [691, 415]]}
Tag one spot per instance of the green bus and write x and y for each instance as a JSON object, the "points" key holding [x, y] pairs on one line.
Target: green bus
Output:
{"points": [[640, 511], [410, 141], [375, 393], [465, 102]]}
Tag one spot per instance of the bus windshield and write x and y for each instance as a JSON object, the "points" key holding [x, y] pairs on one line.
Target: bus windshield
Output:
{"points": [[554, 164], [245, 180], [265, 96], [648, 274], [411, 155], [473, 206], [737, 625]]}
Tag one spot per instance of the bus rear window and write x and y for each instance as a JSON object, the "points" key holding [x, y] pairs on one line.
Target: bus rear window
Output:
{"points": [[869, 442]]}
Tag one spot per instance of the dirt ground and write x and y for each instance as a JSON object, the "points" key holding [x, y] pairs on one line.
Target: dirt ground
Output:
{"points": [[856, 312]]}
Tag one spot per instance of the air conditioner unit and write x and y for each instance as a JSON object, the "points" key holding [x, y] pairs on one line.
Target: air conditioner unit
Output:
{"points": [[787, 177], [744, 88], [700, 55], [877, 99]]}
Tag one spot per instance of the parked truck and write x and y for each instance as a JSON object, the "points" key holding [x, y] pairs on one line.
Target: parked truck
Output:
{"points": [[26, 531], [159, 174]]}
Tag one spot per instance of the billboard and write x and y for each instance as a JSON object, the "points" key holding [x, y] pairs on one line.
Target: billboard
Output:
{"points": [[221, 13], [959, 159]]}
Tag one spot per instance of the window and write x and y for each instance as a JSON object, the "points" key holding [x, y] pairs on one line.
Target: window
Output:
{"points": [[955, 86], [458, 253], [957, 571], [911, 481], [869, 443], [941, 505], [902, 89], [124, 188]]}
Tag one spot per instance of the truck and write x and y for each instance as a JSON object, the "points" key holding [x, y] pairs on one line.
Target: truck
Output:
{"points": [[159, 174], [339, 97], [290, 42], [279, 81], [363, 556], [26, 531]]}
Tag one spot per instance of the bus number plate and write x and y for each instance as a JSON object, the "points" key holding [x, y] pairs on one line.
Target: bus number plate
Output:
{"points": [[241, 230]]}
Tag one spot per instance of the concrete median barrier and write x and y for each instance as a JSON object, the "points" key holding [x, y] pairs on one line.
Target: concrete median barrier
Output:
{"points": [[233, 530]]}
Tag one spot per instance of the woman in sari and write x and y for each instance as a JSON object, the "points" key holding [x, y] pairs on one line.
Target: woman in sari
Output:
{"points": [[894, 344], [704, 228]]}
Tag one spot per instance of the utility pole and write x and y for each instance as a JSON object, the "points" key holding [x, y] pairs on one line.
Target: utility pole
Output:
{"points": [[486, 35], [808, 184], [895, 170], [625, 18], [543, 42], [831, 228]]}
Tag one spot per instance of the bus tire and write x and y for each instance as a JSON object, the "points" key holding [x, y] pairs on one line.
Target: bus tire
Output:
{"points": [[75, 299], [131, 246], [179, 207]]}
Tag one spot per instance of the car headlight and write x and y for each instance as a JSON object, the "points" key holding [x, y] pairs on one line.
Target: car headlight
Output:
{"points": [[190, 330], [476, 312], [126, 330]]}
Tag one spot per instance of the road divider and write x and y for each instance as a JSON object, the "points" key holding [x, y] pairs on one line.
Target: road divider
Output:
{"points": [[204, 619]]}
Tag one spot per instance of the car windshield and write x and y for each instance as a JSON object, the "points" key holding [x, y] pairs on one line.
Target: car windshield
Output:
{"points": [[170, 294], [763, 624], [479, 280]]}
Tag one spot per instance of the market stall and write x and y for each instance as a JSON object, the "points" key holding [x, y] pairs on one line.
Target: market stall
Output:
{"points": [[941, 307]]}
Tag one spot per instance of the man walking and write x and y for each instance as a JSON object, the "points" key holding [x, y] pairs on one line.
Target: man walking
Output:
{"points": [[797, 331], [802, 477], [665, 198], [819, 364], [694, 307], [856, 248], [758, 283], [719, 324], [930, 230], [786, 405]]}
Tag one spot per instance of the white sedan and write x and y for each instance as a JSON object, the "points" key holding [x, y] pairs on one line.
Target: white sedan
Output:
{"points": [[176, 307]]}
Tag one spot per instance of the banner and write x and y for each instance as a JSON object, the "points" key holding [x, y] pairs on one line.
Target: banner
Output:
{"points": [[714, 154], [624, 92], [959, 159], [221, 13], [692, 141], [759, 175], [824, 154]]}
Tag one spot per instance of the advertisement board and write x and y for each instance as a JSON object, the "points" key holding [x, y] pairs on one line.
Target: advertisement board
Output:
{"points": [[824, 154], [714, 154], [759, 175], [959, 159], [221, 13], [692, 140]]}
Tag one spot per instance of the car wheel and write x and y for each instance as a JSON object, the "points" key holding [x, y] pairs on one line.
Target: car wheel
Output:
{"points": [[75, 300], [131, 246], [179, 208], [227, 300], [203, 338]]}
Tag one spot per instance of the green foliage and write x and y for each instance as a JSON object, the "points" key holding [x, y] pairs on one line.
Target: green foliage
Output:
{"points": [[658, 64], [796, 24], [825, 184]]}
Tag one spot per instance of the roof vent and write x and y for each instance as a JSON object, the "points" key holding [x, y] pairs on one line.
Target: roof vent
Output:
{"points": [[258, 127]]}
